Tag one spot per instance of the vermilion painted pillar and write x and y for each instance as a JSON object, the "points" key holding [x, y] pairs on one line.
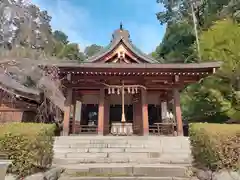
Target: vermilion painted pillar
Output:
{"points": [[106, 124], [101, 112], [144, 112], [67, 111], [178, 112], [74, 118]]}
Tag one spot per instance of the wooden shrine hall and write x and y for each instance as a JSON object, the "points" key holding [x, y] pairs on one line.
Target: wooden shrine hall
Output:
{"points": [[122, 91]]}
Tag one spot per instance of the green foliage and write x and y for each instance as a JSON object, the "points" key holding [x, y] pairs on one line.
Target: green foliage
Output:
{"points": [[197, 106], [29, 145], [92, 50], [174, 11], [61, 37], [68, 51], [232, 9], [215, 146], [176, 42], [221, 42], [215, 99], [206, 11]]}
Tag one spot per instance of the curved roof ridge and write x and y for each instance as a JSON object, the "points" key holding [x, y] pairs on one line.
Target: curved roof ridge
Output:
{"points": [[118, 36], [130, 45]]}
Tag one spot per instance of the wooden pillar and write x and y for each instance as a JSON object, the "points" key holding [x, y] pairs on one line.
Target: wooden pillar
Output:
{"points": [[67, 111], [101, 112], [144, 112], [74, 117], [73, 111], [78, 115], [106, 115], [137, 116], [178, 112]]}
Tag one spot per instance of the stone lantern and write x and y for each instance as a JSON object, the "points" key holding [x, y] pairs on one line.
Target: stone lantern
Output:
{"points": [[3, 166]]}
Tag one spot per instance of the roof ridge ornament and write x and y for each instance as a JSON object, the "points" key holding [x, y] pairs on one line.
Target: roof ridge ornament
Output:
{"points": [[121, 26]]}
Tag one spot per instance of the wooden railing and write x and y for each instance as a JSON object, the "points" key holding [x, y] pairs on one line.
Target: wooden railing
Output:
{"points": [[162, 129], [84, 129], [87, 129], [157, 129]]}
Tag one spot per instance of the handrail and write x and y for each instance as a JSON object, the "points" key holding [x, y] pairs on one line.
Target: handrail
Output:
{"points": [[162, 129]]}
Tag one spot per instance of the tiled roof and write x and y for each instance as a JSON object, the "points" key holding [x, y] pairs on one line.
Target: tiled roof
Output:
{"points": [[143, 66]]}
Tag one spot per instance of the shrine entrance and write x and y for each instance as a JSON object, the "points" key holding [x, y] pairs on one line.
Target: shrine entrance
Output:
{"points": [[89, 119], [120, 113], [116, 113], [115, 116]]}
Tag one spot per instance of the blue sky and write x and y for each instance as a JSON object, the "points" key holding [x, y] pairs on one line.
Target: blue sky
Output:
{"points": [[93, 21]]}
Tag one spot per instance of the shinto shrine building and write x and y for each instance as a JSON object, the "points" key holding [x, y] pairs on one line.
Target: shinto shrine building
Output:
{"points": [[122, 91]]}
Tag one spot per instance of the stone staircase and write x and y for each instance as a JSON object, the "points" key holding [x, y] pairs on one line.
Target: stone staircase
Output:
{"points": [[111, 157]]}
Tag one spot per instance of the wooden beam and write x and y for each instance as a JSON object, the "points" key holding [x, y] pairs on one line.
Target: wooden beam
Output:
{"points": [[77, 78], [5, 109]]}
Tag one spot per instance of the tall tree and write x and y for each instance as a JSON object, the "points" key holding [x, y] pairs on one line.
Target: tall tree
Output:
{"points": [[221, 43], [176, 44], [178, 17], [61, 37], [92, 50], [69, 51], [220, 92], [25, 25]]}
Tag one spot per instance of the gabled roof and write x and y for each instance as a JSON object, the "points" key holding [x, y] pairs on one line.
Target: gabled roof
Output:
{"points": [[121, 36]]}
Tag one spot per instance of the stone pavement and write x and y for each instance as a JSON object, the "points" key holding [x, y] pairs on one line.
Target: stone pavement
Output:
{"points": [[135, 157]]}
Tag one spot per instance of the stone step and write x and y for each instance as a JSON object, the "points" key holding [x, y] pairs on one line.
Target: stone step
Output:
{"points": [[124, 178], [163, 159], [118, 145], [107, 145], [134, 155], [129, 169], [91, 137], [121, 140], [159, 142], [119, 150]]}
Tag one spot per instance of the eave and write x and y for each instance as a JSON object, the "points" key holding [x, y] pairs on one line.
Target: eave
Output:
{"points": [[73, 67], [154, 76]]}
